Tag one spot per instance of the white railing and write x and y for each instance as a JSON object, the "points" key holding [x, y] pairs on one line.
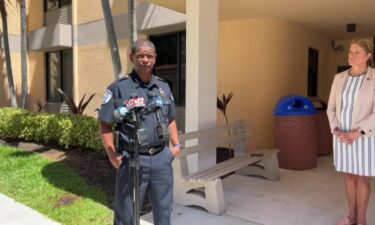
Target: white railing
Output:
{"points": [[62, 15]]}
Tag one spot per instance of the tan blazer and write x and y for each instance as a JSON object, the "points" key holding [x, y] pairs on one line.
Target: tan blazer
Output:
{"points": [[363, 116]]}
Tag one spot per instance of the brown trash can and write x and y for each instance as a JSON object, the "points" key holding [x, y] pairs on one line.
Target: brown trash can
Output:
{"points": [[324, 136], [296, 137]]}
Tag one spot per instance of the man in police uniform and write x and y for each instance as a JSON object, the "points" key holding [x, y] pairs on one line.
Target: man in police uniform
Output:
{"points": [[156, 173]]}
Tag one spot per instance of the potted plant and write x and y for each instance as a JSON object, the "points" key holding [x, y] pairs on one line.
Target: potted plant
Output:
{"points": [[224, 153]]}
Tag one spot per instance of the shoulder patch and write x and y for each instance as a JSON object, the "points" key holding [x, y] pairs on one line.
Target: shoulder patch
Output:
{"points": [[161, 91], [107, 96]]}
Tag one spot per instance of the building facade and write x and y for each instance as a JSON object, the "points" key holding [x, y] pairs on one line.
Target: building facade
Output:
{"points": [[259, 60]]}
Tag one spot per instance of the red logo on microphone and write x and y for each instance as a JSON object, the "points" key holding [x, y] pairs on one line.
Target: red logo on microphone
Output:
{"points": [[135, 103]]}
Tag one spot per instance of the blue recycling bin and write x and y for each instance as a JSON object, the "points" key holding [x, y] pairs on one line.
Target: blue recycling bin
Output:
{"points": [[295, 132], [292, 105]]}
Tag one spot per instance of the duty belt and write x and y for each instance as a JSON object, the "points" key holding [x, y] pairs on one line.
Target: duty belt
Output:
{"points": [[150, 151]]}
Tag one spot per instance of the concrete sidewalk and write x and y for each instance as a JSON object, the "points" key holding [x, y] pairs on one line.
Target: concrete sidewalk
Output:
{"points": [[184, 215], [310, 197], [14, 213]]}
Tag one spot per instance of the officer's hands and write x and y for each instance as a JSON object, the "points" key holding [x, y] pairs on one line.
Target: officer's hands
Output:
{"points": [[116, 162], [106, 135], [175, 150]]}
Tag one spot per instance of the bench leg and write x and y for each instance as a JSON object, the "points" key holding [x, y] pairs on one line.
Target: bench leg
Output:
{"points": [[209, 195], [215, 197], [267, 168]]}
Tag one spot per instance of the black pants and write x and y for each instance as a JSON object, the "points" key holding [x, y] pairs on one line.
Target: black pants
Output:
{"points": [[156, 179]]}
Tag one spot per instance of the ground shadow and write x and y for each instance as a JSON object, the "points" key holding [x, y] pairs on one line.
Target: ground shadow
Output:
{"points": [[94, 168]]}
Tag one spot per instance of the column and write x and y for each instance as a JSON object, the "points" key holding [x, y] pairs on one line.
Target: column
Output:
{"points": [[201, 72]]}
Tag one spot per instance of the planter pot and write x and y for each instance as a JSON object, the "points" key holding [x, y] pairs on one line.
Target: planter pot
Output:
{"points": [[223, 154]]}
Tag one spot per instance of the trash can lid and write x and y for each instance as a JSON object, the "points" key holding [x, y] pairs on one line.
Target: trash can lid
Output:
{"points": [[292, 105]]}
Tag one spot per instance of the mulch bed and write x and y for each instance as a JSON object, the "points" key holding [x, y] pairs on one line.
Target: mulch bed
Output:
{"points": [[93, 167]]}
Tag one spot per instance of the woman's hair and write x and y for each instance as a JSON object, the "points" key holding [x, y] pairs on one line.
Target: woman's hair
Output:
{"points": [[368, 46]]}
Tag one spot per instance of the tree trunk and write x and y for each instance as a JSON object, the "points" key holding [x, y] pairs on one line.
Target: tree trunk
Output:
{"points": [[24, 54], [132, 17], [112, 39], [11, 91]]}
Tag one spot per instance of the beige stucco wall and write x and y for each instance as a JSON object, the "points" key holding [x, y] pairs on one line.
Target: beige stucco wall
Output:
{"points": [[37, 78], [36, 64], [95, 70], [16, 69], [92, 10], [13, 18], [35, 15], [13, 29], [261, 60], [35, 60]]}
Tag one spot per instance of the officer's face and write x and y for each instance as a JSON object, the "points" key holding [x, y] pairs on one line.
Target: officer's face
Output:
{"points": [[143, 59]]}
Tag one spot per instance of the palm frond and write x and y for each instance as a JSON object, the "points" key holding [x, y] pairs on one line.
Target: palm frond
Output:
{"points": [[69, 101], [78, 110], [223, 102], [230, 95], [84, 105], [39, 106], [81, 102], [220, 105]]}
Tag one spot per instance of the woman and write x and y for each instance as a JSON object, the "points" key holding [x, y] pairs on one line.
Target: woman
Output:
{"points": [[351, 113]]}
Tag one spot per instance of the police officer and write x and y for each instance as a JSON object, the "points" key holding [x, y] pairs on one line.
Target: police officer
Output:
{"points": [[156, 173]]}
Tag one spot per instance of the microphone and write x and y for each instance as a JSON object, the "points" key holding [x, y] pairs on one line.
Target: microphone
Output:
{"points": [[121, 111], [135, 102], [156, 104]]}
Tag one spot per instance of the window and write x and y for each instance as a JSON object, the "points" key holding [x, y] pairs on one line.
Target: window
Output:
{"points": [[59, 74], [50, 5], [170, 62]]}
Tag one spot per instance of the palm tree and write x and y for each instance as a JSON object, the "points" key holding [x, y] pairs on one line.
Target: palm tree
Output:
{"points": [[11, 91], [112, 39], [132, 17], [23, 53]]}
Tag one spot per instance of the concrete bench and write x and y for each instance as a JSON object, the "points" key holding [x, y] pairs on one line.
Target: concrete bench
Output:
{"points": [[204, 188]]}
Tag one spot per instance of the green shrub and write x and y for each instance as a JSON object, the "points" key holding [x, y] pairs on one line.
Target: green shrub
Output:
{"points": [[65, 130], [10, 124]]}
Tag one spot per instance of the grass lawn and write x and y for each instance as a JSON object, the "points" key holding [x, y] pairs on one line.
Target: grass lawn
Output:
{"points": [[51, 188]]}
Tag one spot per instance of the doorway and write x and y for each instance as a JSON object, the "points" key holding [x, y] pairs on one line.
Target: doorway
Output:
{"points": [[312, 79]]}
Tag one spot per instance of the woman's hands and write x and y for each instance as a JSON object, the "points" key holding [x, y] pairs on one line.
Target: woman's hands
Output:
{"points": [[347, 137]]}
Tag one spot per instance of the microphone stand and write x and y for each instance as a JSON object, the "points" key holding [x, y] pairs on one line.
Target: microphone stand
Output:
{"points": [[135, 164]]}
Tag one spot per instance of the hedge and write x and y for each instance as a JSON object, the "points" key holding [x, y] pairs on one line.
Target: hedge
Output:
{"points": [[65, 130]]}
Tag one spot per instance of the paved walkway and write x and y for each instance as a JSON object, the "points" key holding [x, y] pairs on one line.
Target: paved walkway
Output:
{"points": [[308, 197], [14, 213]]}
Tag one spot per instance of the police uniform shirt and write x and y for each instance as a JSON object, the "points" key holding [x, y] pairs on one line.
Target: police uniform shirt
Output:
{"points": [[128, 85]]}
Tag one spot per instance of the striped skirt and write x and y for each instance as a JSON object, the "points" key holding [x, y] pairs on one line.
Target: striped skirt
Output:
{"points": [[357, 158]]}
